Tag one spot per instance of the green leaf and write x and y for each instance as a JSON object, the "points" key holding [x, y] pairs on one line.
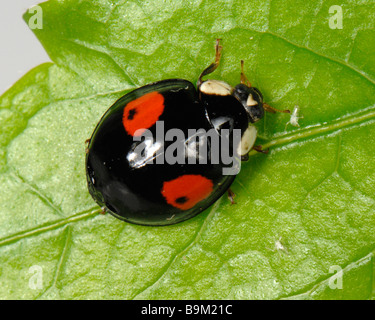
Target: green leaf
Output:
{"points": [[302, 212]]}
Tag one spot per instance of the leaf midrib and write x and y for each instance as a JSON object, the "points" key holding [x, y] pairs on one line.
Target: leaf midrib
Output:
{"points": [[312, 287], [317, 130], [349, 121], [339, 61], [86, 214]]}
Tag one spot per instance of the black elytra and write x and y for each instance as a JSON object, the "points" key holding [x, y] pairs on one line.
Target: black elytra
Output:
{"points": [[132, 184]]}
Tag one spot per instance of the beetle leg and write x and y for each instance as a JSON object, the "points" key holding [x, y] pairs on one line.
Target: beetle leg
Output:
{"points": [[87, 142], [212, 67], [231, 196], [268, 108], [244, 79], [245, 157], [259, 148]]}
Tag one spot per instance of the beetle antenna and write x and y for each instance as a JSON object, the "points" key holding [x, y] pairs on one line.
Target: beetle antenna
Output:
{"points": [[244, 79], [212, 67], [268, 108]]}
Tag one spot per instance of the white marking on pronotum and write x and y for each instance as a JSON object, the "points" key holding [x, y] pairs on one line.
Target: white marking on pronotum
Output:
{"points": [[247, 140], [294, 118], [216, 87], [250, 101], [171, 217]]}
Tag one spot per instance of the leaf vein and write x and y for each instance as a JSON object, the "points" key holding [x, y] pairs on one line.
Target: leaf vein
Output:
{"points": [[35, 190], [338, 61], [87, 214], [348, 267], [336, 125], [194, 240], [60, 263]]}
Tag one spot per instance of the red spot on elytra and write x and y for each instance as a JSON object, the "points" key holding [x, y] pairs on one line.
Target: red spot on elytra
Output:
{"points": [[143, 112], [186, 191]]}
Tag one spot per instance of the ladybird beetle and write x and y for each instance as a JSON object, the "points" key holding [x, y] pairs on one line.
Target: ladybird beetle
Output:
{"points": [[149, 181]]}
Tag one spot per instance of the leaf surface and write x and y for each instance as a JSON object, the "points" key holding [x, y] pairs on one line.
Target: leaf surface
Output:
{"points": [[302, 212]]}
